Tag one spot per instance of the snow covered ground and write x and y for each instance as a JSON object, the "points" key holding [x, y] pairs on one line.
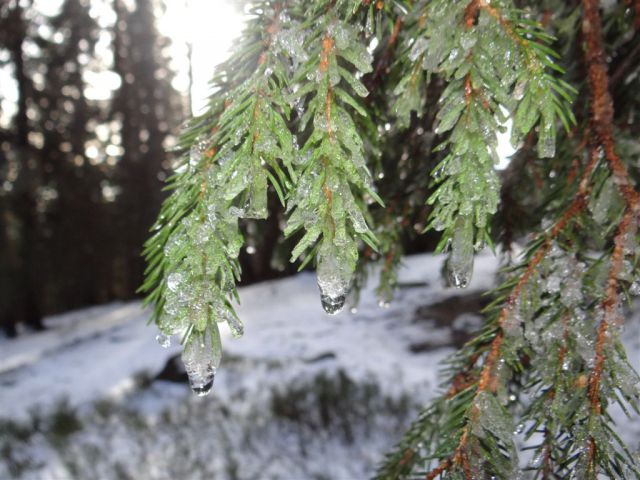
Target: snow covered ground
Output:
{"points": [[301, 395]]}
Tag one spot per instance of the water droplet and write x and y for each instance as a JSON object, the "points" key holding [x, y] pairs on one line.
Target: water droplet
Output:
{"points": [[519, 429], [634, 288], [353, 310], [163, 340], [332, 305], [383, 304], [334, 278], [202, 390]]}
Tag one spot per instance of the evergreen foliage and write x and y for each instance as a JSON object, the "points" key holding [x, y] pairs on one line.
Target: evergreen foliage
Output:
{"points": [[320, 98]]}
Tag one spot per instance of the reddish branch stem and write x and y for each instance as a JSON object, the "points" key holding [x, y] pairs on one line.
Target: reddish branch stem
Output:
{"points": [[601, 102], [602, 123], [487, 380]]}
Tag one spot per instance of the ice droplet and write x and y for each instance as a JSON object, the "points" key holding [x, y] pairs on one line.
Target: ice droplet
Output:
{"points": [[468, 39], [460, 263], [237, 212], [369, 25], [332, 305], [418, 48], [236, 326], [334, 279], [201, 357], [202, 390], [163, 340]]}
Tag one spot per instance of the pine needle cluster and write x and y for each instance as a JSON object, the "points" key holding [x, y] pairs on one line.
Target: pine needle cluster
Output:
{"points": [[374, 121]]}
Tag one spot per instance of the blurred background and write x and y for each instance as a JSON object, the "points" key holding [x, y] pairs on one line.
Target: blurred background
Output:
{"points": [[92, 94]]}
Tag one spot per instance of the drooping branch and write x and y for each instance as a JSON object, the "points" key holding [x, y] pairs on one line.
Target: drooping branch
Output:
{"points": [[487, 381], [602, 115], [601, 101]]}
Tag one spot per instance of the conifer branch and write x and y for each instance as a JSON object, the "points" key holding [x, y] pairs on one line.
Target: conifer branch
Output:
{"points": [[328, 202], [487, 381], [301, 75], [602, 120]]}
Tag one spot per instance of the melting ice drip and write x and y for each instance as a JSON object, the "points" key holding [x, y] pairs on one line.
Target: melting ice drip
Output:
{"points": [[460, 263], [201, 357], [333, 282]]}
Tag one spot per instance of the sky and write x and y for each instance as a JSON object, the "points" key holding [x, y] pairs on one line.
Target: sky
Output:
{"points": [[208, 26]]}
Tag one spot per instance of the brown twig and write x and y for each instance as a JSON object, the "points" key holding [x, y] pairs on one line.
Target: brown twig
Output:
{"points": [[601, 103], [602, 116], [444, 465]]}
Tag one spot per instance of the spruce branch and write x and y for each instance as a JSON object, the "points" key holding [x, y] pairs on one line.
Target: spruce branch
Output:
{"points": [[548, 362], [329, 200], [497, 61], [238, 147], [470, 386], [601, 121]]}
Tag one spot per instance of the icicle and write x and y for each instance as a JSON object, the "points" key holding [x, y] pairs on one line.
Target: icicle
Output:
{"points": [[201, 357], [333, 283], [460, 263], [236, 326], [605, 203], [163, 340], [547, 142], [332, 305]]}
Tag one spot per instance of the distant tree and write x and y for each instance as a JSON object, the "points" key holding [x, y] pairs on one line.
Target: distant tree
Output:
{"points": [[20, 173], [74, 233], [81, 176], [147, 109]]}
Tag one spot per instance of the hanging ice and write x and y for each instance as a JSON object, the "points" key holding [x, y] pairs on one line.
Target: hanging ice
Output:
{"points": [[201, 357], [460, 263], [332, 305], [163, 340], [547, 141], [333, 281]]}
